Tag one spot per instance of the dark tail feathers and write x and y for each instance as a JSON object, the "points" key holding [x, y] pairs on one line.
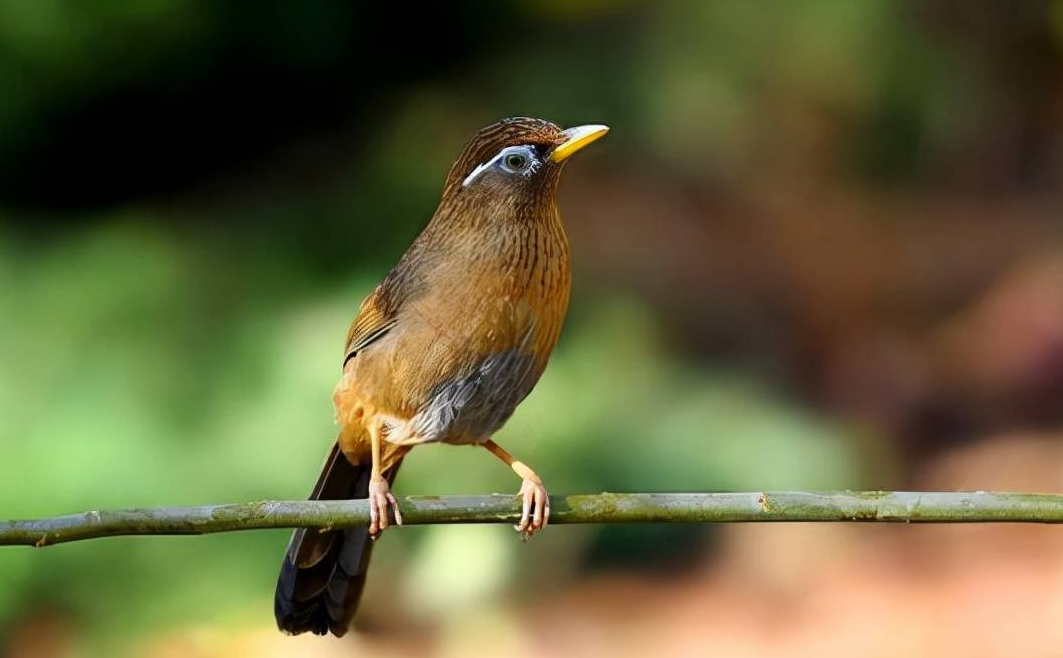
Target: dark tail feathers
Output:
{"points": [[323, 573]]}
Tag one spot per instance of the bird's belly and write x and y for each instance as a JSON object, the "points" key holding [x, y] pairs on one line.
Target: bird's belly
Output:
{"points": [[472, 407]]}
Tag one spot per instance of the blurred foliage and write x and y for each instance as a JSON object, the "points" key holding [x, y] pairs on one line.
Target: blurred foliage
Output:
{"points": [[195, 195], [129, 384]]}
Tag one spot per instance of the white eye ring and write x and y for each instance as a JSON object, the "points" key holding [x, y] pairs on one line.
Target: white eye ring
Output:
{"points": [[512, 160]]}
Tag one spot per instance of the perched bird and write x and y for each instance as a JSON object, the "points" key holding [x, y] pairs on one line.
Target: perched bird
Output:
{"points": [[444, 349]]}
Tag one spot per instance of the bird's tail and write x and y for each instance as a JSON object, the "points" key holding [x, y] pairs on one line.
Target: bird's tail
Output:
{"points": [[323, 573]]}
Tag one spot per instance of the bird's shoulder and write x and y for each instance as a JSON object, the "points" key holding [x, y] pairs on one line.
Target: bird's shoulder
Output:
{"points": [[379, 311]]}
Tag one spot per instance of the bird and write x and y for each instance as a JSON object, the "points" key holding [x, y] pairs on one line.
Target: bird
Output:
{"points": [[453, 338]]}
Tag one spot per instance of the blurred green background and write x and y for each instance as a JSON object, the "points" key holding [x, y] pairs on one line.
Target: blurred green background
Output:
{"points": [[821, 248]]}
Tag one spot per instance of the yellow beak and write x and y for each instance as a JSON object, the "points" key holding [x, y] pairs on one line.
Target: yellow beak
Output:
{"points": [[577, 138]]}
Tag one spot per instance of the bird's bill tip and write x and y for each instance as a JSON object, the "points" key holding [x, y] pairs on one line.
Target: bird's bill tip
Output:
{"points": [[576, 139]]}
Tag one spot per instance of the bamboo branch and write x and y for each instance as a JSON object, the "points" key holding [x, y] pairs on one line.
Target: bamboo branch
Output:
{"points": [[887, 506]]}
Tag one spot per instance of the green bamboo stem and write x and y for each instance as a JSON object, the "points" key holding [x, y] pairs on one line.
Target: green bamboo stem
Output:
{"points": [[886, 506]]}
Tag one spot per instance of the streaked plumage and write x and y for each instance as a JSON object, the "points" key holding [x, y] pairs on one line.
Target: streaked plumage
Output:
{"points": [[444, 349]]}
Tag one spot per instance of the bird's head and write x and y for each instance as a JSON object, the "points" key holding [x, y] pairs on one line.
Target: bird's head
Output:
{"points": [[516, 159]]}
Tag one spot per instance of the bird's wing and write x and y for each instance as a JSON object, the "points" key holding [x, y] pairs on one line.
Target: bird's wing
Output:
{"points": [[375, 318], [379, 312]]}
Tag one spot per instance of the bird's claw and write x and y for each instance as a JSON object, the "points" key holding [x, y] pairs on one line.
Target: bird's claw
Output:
{"points": [[380, 499], [535, 509]]}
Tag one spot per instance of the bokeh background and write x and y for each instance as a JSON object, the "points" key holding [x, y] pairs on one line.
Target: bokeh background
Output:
{"points": [[821, 248]]}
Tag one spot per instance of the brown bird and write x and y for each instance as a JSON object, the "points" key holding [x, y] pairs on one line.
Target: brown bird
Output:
{"points": [[444, 349]]}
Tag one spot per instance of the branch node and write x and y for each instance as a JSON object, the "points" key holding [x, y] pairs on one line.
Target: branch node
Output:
{"points": [[763, 502]]}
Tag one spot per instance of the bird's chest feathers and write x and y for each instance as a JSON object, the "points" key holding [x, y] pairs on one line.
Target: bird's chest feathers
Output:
{"points": [[473, 339], [500, 291], [478, 343]]}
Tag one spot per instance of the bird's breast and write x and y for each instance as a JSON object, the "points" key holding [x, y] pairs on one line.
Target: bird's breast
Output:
{"points": [[473, 342]]}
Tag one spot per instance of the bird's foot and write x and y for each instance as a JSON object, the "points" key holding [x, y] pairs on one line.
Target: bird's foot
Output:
{"points": [[380, 498], [535, 508]]}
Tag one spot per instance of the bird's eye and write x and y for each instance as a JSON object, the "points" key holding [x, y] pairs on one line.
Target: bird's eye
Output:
{"points": [[515, 161]]}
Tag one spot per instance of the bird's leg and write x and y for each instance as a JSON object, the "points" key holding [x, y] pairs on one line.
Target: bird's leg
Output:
{"points": [[535, 511], [380, 496]]}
